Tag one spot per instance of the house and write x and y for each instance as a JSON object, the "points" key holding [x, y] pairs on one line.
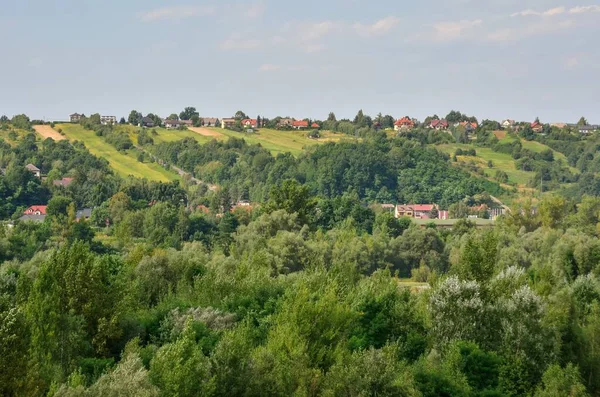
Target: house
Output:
{"points": [[34, 170], [65, 182], [85, 213], [76, 117], [315, 126], [300, 124], [536, 126], [147, 122], [417, 211], [405, 123], [227, 123], [209, 121], [468, 126], [439, 124], [508, 123], [388, 208], [35, 210], [285, 123], [587, 129], [172, 124], [108, 120], [559, 125], [187, 123], [250, 123]]}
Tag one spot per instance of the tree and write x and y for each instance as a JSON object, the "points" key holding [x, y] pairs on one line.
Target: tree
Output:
{"points": [[122, 121], [582, 121], [188, 113], [552, 210], [561, 382], [239, 115], [196, 120], [135, 117], [331, 117], [458, 210], [58, 206], [292, 197], [173, 116], [21, 121]]}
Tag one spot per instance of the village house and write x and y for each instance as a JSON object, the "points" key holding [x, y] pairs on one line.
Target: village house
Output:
{"points": [[147, 122], [420, 211], [34, 170], [536, 126], [587, 129], [508, 124], [439, 124], [65, 182], [285, 123], [108, 120], [76, 117], [405, 123], [300, 124], [250, 123], [35, 210], [315, 126], [209, 121], [172, 124], [227, 123]]}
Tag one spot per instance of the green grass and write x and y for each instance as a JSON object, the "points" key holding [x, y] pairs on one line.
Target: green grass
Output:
{"points": [[451, 222], [276, 141], [124, 164], [4, 135], [501, 162], [163, 134]]}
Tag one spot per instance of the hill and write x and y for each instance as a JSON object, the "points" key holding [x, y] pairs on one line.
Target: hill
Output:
{"points": [[124, 163]]}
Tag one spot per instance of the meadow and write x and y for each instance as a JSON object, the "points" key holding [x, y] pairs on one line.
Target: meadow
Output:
{"points": [[123, 163]]}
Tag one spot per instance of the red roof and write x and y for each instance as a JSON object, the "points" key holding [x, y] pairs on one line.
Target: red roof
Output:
{"points": [[315, 125], [251, 122], [404, 121], [423, 207], [536, 124], [436, 123], [300, 123], [35, 208]]}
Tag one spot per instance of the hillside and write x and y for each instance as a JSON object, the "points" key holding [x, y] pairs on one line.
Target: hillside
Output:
{"points": [[123, 163]]}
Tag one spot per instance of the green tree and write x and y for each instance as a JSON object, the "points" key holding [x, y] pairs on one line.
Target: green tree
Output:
{"points": [[582, 121], [561, 382], [292, 197], [134, 118], [188, 113]]}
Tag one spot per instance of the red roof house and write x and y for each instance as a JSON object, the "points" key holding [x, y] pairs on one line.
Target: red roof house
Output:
{"points": [[250, 123], [299, 124], [417, 211], [439, 124], [405, 123], [315, 125], [35, 210], [537, 126], [65, 182]]}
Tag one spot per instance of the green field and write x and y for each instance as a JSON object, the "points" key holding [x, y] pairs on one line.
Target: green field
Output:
{"points": [[162, 134], [276, 141], [124, 164], [5, 135]]}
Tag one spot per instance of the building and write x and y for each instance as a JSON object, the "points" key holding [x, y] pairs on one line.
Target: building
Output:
{"points": [[587, 129], [250, 123], [508, 123], [172, 124], [419, 211], [147, 122], [35, 210], [227, 123], [405, 123], [300, 124], [315, 126], [285, 123], [108, 120], [65, 182], [34, 170], [209, 121], [76, 117], [85, 213], [439, 124], [536, 126]]}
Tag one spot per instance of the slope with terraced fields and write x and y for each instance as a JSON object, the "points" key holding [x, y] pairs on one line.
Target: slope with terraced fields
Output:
{"points": [[123, 163]]}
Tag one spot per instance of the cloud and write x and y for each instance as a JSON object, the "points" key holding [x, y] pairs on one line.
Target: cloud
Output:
{"points": [[255, 10], [269, 67], [584, 9], [571, 62], [548, 13], [543, 27], [176, 12], [378, 28], [449, 31], [237, 42]]}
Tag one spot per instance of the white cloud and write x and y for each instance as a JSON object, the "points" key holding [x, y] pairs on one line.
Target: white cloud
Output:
{"points": [[548, 13], [449, 31], [379, 27], [176, 12], [237, 42], [255, 10], [584, 9], [313, 48], [269, 67], [543, 27]]}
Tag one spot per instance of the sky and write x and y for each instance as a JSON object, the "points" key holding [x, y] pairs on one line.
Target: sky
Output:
{"points": [[495, 59]]}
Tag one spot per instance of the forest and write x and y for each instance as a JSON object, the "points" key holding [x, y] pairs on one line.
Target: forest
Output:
{"points": [[172, 289]]}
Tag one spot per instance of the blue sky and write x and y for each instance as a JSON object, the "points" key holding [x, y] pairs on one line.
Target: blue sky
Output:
{"points": [[492, 59]]}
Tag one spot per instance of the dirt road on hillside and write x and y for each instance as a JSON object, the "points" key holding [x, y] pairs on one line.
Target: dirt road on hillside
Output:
{"points": [[205, 132], [48, 132]]}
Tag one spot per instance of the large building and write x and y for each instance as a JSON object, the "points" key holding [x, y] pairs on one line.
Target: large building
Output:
{"points": [[106, 120]]}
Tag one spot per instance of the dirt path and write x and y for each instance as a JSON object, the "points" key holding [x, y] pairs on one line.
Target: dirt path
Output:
{"points": [[205, 132], [48, 132]]}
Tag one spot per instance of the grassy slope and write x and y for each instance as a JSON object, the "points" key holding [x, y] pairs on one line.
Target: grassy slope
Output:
{"points": [[294, 142], [123, 164], [4, 134], [163, 135]]}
